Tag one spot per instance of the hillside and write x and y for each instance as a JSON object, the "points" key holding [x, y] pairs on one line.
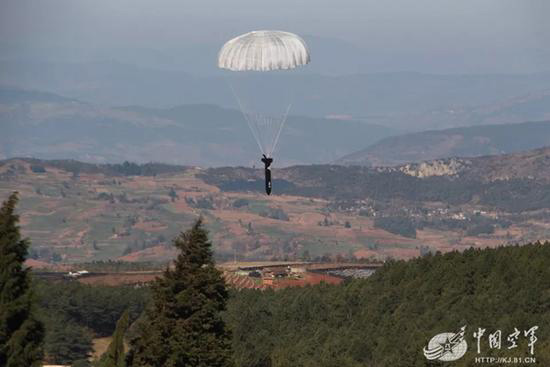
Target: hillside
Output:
{"points": [[458, 142], [531, 164], [357, 323], [47, 126], [389, 318], [392, 187], [394, 98], [533, 106], [75, 212]]}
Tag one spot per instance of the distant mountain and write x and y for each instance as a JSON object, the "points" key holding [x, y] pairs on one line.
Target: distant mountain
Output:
{"points": [[532, 164], [44, 125], [515, 183], [411, 101], [533, 106], [10, 95], [458, 142]]}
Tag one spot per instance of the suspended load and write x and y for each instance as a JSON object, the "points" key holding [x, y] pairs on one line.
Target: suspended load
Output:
{"points": [[264, 53]]}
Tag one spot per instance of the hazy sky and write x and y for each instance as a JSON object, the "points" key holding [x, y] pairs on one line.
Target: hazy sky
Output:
{"points": [[453, 36]]}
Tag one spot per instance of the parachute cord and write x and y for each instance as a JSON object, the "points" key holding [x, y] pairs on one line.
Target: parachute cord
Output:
{"points": [[259, 121], [246, 116], [269, 128], [281, 126], [263, 126]]}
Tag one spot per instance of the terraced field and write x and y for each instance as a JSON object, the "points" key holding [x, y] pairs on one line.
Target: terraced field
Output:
{"points": [[98, 216]]}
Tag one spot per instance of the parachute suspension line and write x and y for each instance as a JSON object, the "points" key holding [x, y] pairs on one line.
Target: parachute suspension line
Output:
{"points": [[246, 116], [280, 51], [281, 126], [265, 129], [266, 125], [261, 126]]}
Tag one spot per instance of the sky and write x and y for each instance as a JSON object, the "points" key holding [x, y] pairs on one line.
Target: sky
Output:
{"points": [[440, 36]]}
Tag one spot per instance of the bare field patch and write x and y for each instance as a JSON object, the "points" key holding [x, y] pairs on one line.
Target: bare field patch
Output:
{"points": [[70, 216]]}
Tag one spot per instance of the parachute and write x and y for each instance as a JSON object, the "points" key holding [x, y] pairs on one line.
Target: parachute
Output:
{"points": [[263, 51], [265, 54]]}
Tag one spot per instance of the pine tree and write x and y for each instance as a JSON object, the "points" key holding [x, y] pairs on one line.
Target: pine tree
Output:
{"points": [[114, 356], [21, 334], [184, 326]]}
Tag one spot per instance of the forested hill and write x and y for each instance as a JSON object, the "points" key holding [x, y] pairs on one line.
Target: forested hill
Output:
{"points": [[388, 319], [459, 142], [385, 320], [516, 182]]}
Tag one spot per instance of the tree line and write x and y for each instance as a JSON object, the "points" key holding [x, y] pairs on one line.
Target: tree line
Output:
{"points": [[188, 317], [340, 183], [181, 326]]}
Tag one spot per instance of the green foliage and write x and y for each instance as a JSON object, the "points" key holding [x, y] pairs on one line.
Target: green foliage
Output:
{"points": [[483, 228], [95, 307], [106, 196], [21, 334], [36, 168], [66, 341], [516, 195], [81, 363], [388, 319], [114, 356], [73, 313], [239, 203], [384, 320], [183, 326], [173, 194], [200, 203], [275, 213], [339, 183], [124, 169], [398, 225]]}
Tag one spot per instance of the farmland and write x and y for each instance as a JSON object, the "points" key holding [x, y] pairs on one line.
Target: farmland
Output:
{"points": [[96, 213]]}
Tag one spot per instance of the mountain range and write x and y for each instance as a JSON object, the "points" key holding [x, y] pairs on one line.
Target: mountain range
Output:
{"points": [[45, 125], [458, 142], [410, 101]]}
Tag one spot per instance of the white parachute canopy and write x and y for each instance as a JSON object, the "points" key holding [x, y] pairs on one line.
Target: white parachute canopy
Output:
{"points": [[262, 52]]}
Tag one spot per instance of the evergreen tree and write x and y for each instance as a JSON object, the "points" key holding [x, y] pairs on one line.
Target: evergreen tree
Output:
{"points": [[114, 356], [21, 333], [66, 342], [184, 326]]}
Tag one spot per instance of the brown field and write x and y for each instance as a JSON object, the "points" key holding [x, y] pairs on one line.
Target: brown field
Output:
{"points": [[232, 278], [155, 253], [115, 279], [99, 346], [70, 217], [307, 279]]}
